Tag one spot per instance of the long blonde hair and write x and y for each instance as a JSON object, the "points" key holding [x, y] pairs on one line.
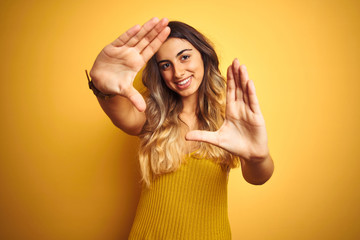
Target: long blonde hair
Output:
{"points": [[160, 145]]}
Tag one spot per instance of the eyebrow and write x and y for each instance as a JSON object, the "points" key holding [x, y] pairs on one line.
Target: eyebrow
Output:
{"points": [[179, 53]]}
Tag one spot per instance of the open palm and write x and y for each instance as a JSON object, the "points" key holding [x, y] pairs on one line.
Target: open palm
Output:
{"points": [[118, 63], [243, 132]]}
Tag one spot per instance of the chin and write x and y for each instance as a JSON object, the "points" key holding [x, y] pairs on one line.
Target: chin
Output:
{"points": [[187, 94]]}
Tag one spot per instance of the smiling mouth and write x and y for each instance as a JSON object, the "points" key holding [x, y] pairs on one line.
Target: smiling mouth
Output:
{"points": [[184, 82]]}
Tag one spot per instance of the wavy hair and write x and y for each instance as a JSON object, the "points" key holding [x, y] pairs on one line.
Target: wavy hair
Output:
{"points": [[161, 148]]}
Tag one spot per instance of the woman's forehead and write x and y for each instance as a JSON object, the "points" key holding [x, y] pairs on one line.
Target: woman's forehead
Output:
{"points": [[171, 47]]}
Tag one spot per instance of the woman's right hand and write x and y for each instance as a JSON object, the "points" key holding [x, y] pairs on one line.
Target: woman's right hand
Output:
{"points": [[118, 63]]}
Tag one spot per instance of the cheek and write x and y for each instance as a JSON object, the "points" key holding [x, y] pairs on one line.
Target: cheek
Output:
{"points": [[167, 77], [199, 68], [198, 64]]}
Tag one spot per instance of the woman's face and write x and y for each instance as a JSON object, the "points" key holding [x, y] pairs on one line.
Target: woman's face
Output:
{"points": [[181, 66]]}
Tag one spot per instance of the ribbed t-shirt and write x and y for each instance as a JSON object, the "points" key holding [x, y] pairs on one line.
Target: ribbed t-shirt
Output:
{"points": [[190, 203]]}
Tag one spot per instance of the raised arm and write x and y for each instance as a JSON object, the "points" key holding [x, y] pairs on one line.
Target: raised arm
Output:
{"points": [[116, 66]]}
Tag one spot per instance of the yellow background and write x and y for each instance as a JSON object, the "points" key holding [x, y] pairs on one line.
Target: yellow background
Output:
{"points": [[67, 173]]}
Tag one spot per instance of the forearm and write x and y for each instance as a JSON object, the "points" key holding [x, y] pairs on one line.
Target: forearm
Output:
{"points": [[123, 114], [257, 171]]}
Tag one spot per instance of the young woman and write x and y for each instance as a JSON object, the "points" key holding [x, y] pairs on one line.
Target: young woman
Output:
{"points": [[190, 136]]}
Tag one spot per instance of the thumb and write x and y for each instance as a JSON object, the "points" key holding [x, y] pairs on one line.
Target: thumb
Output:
{"points": [[203, 136], [136, 99]]}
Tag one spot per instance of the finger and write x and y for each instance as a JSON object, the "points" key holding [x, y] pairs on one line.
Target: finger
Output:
{"points": [[152, 34], [236, 71], [203, 136], [125, 37], [244, 78], [145, 29], [253, 100], [136, 98], [152, 48], [230, 93]]}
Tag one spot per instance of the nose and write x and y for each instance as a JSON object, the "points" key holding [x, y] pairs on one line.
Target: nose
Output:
{"points": [[179, 71]]}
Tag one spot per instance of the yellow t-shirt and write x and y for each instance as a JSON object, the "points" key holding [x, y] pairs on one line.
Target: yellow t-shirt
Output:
{"points": [[190, 203]]}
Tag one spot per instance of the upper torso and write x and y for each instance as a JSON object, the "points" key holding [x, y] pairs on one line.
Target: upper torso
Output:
{"points": [[190, 203]]}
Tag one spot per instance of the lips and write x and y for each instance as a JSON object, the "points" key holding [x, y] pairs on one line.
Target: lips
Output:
{"points": [[184, 83]]}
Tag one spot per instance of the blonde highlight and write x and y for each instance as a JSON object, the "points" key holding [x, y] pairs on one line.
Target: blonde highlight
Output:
{"points": [[161, 149]]}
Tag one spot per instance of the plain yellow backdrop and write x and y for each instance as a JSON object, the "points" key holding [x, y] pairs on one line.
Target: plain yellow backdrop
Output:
{"points": [[67, 173]]}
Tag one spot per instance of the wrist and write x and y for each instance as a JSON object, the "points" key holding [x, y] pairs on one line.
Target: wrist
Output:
{"points": [[96, 91], [259, 157]]}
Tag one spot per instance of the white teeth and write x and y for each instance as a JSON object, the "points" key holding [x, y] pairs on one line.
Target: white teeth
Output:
{"points": [[184, 81]]}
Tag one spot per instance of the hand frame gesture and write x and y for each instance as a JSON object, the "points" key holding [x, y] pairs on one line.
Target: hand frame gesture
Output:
{"points": [[243, 132], [118, 63]]}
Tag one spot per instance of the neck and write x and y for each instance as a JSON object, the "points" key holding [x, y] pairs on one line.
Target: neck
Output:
{"points": [[188, 113], [189, 105]]}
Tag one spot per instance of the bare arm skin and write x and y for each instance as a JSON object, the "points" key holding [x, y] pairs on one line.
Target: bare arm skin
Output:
{"points": [[116, 66], [257, 171], [123, 114]]}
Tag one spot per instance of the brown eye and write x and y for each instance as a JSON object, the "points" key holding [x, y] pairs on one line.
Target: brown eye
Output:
{"points": [[185, 57], [165, 66]]}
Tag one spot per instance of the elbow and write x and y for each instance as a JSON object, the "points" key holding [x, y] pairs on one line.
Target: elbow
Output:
{"points": [[129, 131], [257, 181], [258, 175]]}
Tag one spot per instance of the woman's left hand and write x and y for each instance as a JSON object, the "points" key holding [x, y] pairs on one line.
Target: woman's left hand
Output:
{"points": [[243, 132]]}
